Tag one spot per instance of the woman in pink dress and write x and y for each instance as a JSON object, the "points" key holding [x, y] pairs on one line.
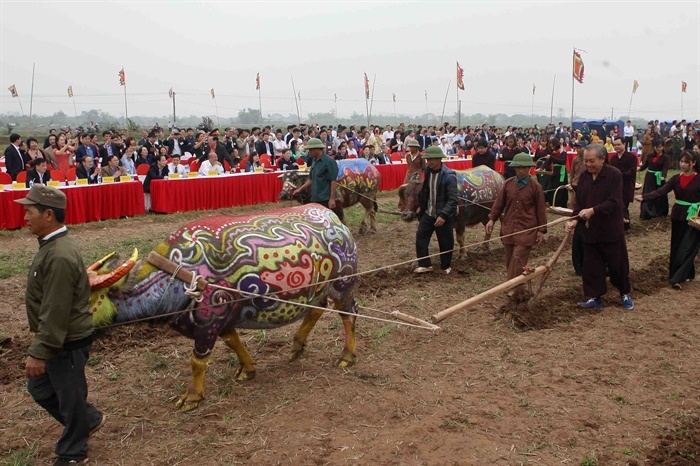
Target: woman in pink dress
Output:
{"points": [[64, 153]]}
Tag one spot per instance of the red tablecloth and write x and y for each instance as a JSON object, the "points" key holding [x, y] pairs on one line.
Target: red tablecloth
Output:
{"points": [[214, 192], [394, 174], [84, 203]]}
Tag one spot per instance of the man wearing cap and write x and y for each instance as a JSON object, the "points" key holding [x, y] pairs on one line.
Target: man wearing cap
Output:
{"points": [[522, 199], [58, 311], [413, 160], [323, 176], [438, 206]]}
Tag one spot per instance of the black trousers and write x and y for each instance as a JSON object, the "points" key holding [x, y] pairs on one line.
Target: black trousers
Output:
{"points": [[445, 237], [685, 244], [628, 143], [62, 392], [595, 258], [577, 247]]}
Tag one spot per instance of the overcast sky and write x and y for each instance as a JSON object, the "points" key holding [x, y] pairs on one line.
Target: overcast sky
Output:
{"points": [[411, 48]]}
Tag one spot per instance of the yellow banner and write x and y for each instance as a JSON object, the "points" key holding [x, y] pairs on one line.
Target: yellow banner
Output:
{"points": [[108, 179]]}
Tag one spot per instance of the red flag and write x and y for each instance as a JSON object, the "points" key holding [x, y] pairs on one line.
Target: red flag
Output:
{"points": [[257, 82], [684, 86], [578, 67], [13, 91], [460, 77], [122, 78], [635, 86], [366, 87]]}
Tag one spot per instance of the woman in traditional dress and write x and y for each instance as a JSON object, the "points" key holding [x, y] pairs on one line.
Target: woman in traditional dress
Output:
{"points": [[508, 153], [685, 239], [63, 153], [657, 166], [557, 157]]}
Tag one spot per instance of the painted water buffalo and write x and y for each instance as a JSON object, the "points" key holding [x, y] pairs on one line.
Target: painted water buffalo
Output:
{"points": [[478, 189], [302, 256], [358, 182]]}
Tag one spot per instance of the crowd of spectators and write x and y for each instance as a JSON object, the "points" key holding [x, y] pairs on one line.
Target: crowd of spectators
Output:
{"points": [[268, 148]]}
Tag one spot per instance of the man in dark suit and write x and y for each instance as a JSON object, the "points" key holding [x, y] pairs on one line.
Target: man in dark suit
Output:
{"points": [[86, 170], [38, 174], [152, 145], [264, 146], [109, 148], [424, 140], [158, 171], [384, 158], [85, 149], [14, 160], [484, 133], [627, 163], [176, 144]]}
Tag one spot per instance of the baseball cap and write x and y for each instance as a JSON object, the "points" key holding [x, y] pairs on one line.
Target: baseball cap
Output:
{"points": [[44, 195]]}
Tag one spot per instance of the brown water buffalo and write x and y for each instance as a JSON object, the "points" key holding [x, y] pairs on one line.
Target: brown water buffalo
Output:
{"points": [[358, 182], [478, 189]]}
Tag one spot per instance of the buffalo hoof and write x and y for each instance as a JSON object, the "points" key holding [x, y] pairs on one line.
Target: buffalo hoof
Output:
{"points": [[189, 401], [363, 229], [243, 376], [294, 355], [344, 362]]}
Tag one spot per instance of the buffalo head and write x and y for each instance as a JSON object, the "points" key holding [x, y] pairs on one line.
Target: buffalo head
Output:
{"points": [[292, 180], [409, 195]]}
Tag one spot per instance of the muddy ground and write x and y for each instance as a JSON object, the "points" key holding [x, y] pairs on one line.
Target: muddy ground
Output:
{"points": [[501, 385]]}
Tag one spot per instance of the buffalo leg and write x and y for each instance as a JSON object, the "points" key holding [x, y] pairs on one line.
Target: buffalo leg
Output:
{"points": [[348, 357], [247, 369], [195, 391], [303, 333], [373, 218]]}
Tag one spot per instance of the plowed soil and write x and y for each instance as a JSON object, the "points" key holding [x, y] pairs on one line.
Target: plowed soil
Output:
{"points": [[505, 383]]}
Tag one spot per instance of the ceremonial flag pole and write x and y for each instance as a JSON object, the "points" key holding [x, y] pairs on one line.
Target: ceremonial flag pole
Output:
{"points": [[216, 106], [442, 118], [335, 103], [301, 109], [532, 106], [295, 100], [635, 85], [71, 97], [257, 88], [371, 101], [171, 93], [426, 102], [460, 87], [14, 93], [31, 99], [122, 82], [576, 75], [551, 106], [367, 98], [684, 88], [393, 97]]}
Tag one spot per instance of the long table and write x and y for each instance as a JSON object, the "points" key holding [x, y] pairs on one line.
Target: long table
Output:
{"points": [[83, 204], [216, 192]]}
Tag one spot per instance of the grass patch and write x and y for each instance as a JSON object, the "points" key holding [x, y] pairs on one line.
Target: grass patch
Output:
{"points": [[21, 457], [155, 361], [15, 263], [589, 462]]}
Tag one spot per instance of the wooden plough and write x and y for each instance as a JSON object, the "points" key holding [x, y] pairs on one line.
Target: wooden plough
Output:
{"points": [[542, 271]]}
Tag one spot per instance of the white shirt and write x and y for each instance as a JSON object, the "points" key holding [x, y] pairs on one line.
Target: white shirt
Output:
{"points": [[388, 135], [279, 146], [628, 131], [180, 169], [206, 167]]}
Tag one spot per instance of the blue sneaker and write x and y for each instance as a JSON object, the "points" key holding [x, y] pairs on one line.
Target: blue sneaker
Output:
{"points": [[592, 303], [626, 302]]}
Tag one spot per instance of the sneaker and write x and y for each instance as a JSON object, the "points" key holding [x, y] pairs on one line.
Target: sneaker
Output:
{"points": [[592, 303], [99, 425], [423, 269], [626, 302], [63, 461], [677, 286], [447, 270]]}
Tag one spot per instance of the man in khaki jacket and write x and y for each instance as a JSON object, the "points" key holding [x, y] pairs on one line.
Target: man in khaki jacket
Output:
{"points": [[58, 310]]}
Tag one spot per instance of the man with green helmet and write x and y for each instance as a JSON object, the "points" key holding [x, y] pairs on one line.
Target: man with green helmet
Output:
{"points": [[522, 199], [323, 176]]}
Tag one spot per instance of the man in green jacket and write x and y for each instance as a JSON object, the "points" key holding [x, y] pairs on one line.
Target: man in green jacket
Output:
{"points": [[58, 310], [323, 178]]}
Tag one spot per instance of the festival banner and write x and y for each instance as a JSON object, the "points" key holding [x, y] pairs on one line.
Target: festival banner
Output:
{"points": [[170, 93], [533, 88], [257, 82], [70, 91], [213, 96], [578, 67], [13, 90], [122, 77], [460, 77], [366, 87], [684, 87]]}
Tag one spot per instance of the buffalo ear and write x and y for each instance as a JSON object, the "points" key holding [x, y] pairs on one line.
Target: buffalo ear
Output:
{"points": [[402, 191]]}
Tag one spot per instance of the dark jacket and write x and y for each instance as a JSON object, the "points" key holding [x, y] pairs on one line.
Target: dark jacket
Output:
{"points": [[57, 297], [32, 175], [487, 159], [104, 153], [81, 172], [604, 194], [14, 161], [446, 196], [627, 164], [154, 173], [170, 144], [691, 194], [261, 149]]}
